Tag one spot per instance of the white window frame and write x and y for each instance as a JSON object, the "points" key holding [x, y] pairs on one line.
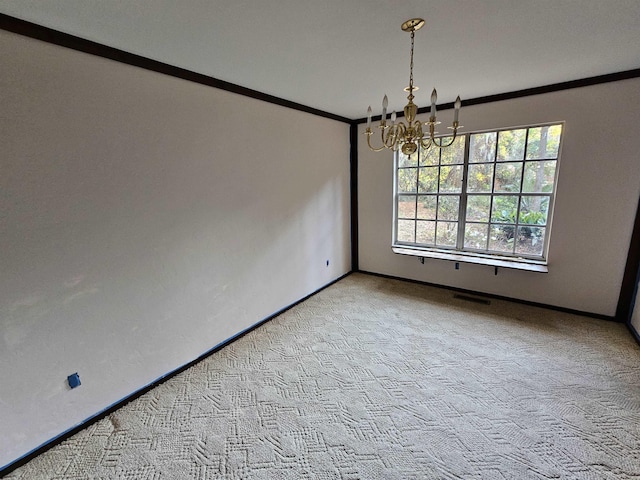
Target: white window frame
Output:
{"points": [[485, 257]]}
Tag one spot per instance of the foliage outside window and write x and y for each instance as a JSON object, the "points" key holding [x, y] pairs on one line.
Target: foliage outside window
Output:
{"points": [[490, 193]]}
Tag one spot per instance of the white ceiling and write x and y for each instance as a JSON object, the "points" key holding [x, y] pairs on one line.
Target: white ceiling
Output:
{"points": [[342, 55]]}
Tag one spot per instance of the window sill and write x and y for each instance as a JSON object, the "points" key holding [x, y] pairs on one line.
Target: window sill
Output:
{"points": [[492, 261]]}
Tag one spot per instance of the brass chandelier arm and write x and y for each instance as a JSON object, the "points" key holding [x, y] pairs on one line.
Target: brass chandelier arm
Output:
{"points": [[441, 145], [394, 136], [426, 145], [417, 129], [390, 138], [368, 133], [402, 132]]}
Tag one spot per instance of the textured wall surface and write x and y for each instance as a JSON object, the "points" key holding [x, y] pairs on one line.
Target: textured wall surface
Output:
{"points": [[143, 220], [597, 194]]}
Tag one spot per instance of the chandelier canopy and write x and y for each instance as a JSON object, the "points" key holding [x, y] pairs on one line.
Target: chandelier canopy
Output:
{"points": [[409, 136]]}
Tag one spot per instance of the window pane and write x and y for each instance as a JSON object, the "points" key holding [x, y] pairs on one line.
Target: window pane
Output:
{"points": [[448, 206], [428, 180], [431, 156], [505, 209], [475, 235], [480, 178], [533, 210], [478, 208], [539, 177], [451, 179], [501, 238], [508, 177], [453, 154], [511, 145], [407, 180], [426, 232], [543, 142], [406, 206], [407, 161], [447, 234], [482, 147], [406, 230], [530, 240], [427, 207], [509, 182]]}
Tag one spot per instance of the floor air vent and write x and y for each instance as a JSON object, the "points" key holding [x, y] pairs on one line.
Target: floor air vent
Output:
{"points": [[467, 298]]}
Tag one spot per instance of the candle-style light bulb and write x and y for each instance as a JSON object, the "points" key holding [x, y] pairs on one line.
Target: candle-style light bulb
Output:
{"points": [[393, 117], [434, 98], [369, 117], [457, 106], [385, 102]]}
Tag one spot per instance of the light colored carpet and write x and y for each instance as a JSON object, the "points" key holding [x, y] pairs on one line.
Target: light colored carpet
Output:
{"points": [[381, 379]]}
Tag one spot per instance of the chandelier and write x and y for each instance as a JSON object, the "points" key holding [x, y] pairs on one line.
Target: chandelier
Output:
{"points": [[408, 136]]}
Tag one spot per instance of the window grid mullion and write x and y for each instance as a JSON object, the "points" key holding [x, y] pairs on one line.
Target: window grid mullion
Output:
{"points": [[435, 228], [517, 220], [415, 214], [493, 188], [462, 209], [396, 194]]}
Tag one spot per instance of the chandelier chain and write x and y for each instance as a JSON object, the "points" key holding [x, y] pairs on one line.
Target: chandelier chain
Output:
{"points": [[411, 66]]}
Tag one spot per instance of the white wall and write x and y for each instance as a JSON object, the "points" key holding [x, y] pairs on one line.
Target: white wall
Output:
{"points": [[598, 188], [143, 220]]}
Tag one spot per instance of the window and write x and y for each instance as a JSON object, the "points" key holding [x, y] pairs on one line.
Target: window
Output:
{"points": [[488, 195]]}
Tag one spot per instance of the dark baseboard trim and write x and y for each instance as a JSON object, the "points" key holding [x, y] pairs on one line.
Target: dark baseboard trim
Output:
{"points": [[353, 163], [109, 410], [49, 35], [634, 332], [527, 92], [497, 297]]}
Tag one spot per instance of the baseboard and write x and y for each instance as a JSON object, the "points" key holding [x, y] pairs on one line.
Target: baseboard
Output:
{"points": [[498, 297], [5, 470]]}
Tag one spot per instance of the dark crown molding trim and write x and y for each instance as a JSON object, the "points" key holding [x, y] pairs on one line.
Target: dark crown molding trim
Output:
{"points": [[49, 35], [527, 92], [5, 470], [631, 276], [496, 297]]}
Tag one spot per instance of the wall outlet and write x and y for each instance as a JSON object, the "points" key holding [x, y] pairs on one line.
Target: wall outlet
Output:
{"points": [[74, 380]]}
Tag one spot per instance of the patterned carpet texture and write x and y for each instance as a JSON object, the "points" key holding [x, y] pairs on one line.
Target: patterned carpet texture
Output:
{"points": [[381, 379]]}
